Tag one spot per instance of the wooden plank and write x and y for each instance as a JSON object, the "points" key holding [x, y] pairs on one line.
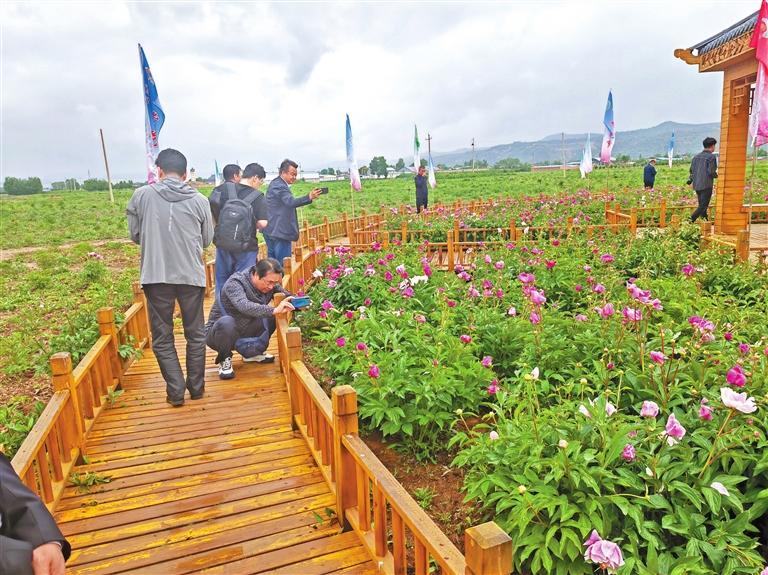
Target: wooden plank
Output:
{"points": [[198, 546], [35, 439], [348, 558]]}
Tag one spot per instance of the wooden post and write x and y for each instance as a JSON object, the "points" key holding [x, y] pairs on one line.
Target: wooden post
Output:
{"points": [[512, 230], [706, 233], [404, 232], [488, 550], [348, 227], [569, 227], [106, 318], [633, 222], [385, 239], [449, 263], [295, 353], [327, 227], [674, 223], [344, 403], [61, 372], [287, 267], [742, 245], [607, 213], [663, 214], [456, 235], [138, 297]]}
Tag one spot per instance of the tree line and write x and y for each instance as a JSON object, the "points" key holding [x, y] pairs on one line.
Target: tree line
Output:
{"points": [[33, 185]]}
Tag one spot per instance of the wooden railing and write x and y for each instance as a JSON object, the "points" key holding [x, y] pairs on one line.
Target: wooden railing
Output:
{"points": [[369, 499], [57, 440]]}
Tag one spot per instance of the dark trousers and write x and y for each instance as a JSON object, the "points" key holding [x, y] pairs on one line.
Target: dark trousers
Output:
{"points": [[701, 212], [421, 202], [228, 263], [223, 336], [161, 301], [278, 248]]}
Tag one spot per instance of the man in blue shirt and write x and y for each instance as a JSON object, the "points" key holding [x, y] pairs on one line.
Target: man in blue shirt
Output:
{"points": [[283, 226], [649, 174]]}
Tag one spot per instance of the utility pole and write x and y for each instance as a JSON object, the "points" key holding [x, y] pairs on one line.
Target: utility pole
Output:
{"points": [[429, 144], [562, 148], [106, 165], [473, 154]]}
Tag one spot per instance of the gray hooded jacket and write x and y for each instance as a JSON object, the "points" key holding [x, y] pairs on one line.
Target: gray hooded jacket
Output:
{"points": [[172, 223]]}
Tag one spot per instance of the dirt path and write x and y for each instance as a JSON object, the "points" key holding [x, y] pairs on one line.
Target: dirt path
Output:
{"points": [[6, 254]]}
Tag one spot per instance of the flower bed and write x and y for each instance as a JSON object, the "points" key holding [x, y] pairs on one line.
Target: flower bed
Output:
{"points": [[605, 397]]}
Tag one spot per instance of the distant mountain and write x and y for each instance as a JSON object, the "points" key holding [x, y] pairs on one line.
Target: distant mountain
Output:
{"points": [[644, 142]]}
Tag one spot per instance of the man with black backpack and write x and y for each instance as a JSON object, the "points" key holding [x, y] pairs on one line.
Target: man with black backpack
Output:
{"points": [[240, 210]]}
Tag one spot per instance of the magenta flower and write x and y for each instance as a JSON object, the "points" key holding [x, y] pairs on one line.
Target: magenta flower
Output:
{"points": [[487, 361], [658, 357], [350, 314], [322, 313], [581, 317], [487, 259], [499, 265], [674, 429], [606, 311], [326, 305], [606, 258], [388, 276], [407, 292], [736, 376], [598, 288], [728, 336], [578, 287], [535, 318], [419, 318], [361, 346], [367, 302], [427, 269], [512, 311], [744, 348], [493, 387], [555, 243], [341, 342], [688, 270], [465, 338], [373, 371], [550, 264], [526, 278], [649, 409], [537, 297], [628, 453], [705, 413], [631, 314], [401, 271], [604, 553]]}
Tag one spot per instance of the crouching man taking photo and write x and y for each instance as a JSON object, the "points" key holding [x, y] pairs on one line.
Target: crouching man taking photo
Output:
{"points": [[242, 319]]}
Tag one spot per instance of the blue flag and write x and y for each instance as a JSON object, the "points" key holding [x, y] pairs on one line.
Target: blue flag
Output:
{"points": [[154, 117], [217, 179], [671, 149], [354, 172], [609, 131]]}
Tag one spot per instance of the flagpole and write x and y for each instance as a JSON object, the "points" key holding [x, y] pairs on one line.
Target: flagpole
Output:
{"points": [[751, 188], [106, 165]]}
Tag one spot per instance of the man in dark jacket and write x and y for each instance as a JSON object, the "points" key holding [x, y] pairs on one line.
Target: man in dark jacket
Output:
{"points": [[649, 174], [172, 223], [421, 189], [702, 177], [231, 261], [242, 319], [283, 226], [30, 541]]}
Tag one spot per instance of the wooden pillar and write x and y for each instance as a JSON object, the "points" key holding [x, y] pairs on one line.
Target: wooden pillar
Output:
{"points": [[61, 371], [732, 167], [287, 269], [633, 222], [450, 263], [488, 550], [404, 232], [706, 233], [663, 214], [674, 223], [140, 298], [344, 403], [106, 318], [456, 234], [295, 353], [742, 245]]}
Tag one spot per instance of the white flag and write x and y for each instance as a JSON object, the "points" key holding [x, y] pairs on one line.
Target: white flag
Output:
{"points": [[585, 166]]}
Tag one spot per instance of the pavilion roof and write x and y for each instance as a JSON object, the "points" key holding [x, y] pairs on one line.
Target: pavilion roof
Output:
{"points": [[734, 31]]}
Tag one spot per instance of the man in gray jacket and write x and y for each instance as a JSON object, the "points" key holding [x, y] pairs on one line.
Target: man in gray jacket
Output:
{"points": [[242, 318], [172, 223], [283, 227], [702, 177]]}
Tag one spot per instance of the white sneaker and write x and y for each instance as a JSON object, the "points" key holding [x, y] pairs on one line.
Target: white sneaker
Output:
{"points": [[225, 369], [261, 358]]}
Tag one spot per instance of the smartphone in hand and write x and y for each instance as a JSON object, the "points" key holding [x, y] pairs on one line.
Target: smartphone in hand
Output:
{"points": [[301, 302], [323, 190]]}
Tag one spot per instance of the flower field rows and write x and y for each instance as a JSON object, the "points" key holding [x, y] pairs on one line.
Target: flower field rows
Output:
{"points": [[606, 397]]}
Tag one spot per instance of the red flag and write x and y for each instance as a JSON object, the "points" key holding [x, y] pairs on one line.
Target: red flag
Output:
{"points": [[758, 121]]}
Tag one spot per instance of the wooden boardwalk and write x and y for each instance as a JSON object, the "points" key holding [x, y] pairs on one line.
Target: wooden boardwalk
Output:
{"points": [[220, 485]]}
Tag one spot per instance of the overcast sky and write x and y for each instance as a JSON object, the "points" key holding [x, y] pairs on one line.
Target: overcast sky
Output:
{"points": [[260, 82]]}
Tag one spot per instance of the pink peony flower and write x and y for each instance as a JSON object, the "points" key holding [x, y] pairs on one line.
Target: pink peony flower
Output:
{"points": [[631, 314], [550, 264], [537, 297], [606, 311], [649, 409], [526, 278], [728, 336], [736, 376], [705, 413], [610, 365], [628, 453], [604, 553], [493, 387], [361, 346], [322, 313], [688, 270], [606, 258], [450, 303], [341, 342], [673, 428], [737, 401], [581, 317], [326, 305], [499, 265], [367, 302], [744, 348], [578, 287], [487, 361], [512, 311], [373, 371], [598, 288], [658, 357], [350, 314], [388, 276], [465, 338], [419, 318], [535, 318]]}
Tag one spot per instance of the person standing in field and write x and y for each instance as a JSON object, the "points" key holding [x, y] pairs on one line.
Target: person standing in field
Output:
{"points": [[649, 174], [702, 177], [237, 247], [283, 226], [421, 189], [172, 223]]}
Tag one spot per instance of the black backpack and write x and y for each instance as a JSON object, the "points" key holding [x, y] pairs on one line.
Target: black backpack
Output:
{"points": [[235, 228]]}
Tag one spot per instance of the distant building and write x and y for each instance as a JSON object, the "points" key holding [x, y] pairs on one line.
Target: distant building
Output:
{"points": [[554, 168]]}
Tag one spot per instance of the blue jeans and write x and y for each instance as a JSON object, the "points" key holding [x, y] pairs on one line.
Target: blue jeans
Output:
{"points": [[223, 336], [228, 263], [278, 248]]}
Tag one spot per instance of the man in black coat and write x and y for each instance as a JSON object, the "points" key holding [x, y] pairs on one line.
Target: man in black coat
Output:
{"points": [[649, 174], [30, 541], [702, 177]]}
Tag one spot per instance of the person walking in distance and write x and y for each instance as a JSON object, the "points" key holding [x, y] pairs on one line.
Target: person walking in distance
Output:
{"points": [[702, 177], [239, 210], [421, 189], [283, 226], [172, 223], [649, 174]]}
